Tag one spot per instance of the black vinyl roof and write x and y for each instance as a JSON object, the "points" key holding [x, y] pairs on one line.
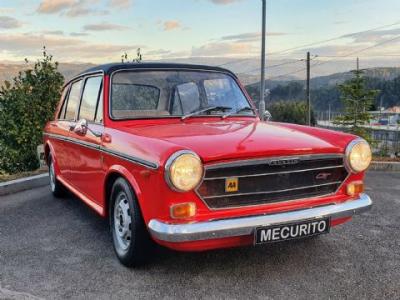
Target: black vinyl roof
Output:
{"points": [[107, 69]]}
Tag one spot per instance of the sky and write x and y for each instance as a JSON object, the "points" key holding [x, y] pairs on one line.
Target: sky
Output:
{"points": [[99, 31]]}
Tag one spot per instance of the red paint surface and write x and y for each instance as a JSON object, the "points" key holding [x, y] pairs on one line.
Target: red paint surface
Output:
{"points": [[87, 170]]}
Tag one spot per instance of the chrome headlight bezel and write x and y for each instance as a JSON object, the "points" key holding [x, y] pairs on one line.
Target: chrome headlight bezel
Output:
{"points": [[348, 152], [171, 160]]}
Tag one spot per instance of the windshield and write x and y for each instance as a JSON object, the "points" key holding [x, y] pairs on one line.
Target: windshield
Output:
{"points": [[156, 94]]}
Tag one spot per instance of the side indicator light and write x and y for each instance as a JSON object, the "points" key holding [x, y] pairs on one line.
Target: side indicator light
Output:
{"points": [[355, 188], [183, 210]]}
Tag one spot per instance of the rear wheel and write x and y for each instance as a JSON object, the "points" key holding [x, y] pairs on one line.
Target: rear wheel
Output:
{"points": [[56, 187], [131, 240]]}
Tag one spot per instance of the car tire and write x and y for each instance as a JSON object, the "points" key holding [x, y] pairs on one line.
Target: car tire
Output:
{"points": [[56, 186], [131, 240]]}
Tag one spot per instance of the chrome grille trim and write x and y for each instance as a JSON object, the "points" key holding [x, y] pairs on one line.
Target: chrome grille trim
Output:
{"points": [[276, 173], [258, 161], [274, 191], [247, 198]]}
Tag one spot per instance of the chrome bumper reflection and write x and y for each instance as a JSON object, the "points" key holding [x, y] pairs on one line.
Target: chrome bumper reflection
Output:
{"points": [[245, 225]]}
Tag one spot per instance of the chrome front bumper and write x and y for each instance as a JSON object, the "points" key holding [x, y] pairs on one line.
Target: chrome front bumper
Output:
{"points": [[245, 225]]}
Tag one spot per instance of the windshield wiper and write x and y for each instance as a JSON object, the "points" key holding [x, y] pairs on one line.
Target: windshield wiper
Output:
{"points": [[246, 108], [207, 109]]}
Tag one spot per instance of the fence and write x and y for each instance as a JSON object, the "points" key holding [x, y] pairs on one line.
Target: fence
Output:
{"points": [[386, 137]]}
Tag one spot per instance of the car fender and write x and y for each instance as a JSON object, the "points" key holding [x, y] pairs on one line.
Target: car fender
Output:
{"points": [[129, 177], [53, 154]]}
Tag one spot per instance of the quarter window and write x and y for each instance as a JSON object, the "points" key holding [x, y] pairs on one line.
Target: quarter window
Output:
{"points": [[90, 98], [73, 100], [64, 100]]}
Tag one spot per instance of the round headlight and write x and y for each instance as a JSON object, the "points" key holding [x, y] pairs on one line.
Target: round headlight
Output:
{"points": [[358, 155], [183, 171]]}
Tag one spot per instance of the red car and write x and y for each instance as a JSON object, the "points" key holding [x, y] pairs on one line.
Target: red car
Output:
{"points": [[177, 155]]}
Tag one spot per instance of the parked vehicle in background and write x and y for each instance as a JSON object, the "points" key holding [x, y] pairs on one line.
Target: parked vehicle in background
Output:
{"points": [[177, 155]]}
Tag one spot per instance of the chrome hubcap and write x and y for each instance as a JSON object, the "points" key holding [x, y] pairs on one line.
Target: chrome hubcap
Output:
{"points": [[122, 221], [52, 177]]}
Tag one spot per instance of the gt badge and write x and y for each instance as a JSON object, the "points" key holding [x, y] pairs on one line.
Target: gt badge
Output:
{"points": [[231, 185]]}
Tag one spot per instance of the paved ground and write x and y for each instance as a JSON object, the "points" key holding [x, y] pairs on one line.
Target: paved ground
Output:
{"points": [[54, 249]]}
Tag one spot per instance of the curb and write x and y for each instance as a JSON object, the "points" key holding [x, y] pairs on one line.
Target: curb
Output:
{"points": [[22, 184], [385, 166]]}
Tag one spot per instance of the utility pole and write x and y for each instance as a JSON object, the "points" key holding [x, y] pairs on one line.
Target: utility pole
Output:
{"points": [[308, 91], [263, 38]]}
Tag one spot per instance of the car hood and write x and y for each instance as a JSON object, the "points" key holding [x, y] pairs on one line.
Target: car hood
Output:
{"points": [[232, 139]]}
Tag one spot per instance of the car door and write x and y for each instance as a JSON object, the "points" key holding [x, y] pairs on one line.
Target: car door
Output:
{"points": [[86, 172], [59, 130]]}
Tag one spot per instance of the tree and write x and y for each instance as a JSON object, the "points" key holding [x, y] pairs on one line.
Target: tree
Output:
{"points": [[139, 57], [26, 104], [357, 100], [290, 112]]}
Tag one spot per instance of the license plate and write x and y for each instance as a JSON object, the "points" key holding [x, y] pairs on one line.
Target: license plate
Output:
{"points": [[284, 232]]}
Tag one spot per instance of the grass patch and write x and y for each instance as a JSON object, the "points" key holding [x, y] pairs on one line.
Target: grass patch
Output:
{"points": [[9, 177]]}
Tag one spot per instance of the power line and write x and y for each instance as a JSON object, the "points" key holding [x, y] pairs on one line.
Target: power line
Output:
{"points": [[342, 56], [332, 39], [311, 44], [272, 66], [361, 50]]}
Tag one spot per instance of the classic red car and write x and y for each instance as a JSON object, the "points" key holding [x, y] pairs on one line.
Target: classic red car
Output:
{"points": [[178, 155]]}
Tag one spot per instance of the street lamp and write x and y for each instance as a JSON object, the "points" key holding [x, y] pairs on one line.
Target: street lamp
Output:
{"points": [[263, 38]]}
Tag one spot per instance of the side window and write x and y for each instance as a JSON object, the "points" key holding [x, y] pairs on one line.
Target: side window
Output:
{"points": [[64, 99], [90, 98], [73, 100]]}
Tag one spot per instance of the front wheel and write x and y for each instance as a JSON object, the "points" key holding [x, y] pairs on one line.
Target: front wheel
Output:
{"points": [[131, 240]]}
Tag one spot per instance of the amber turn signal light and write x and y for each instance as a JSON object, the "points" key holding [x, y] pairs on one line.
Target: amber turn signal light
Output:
{"points": [[355, 188], [183, 210]]}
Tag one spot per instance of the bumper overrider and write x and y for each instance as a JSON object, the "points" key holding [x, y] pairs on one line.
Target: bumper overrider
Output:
{"points": [[243, 226]]}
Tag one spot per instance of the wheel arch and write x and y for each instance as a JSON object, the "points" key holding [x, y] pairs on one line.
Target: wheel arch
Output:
{"points": [[49, 151], [112, 175]]}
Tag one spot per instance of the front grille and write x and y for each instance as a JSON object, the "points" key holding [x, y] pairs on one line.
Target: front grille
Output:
{"points": [[272, 180]]}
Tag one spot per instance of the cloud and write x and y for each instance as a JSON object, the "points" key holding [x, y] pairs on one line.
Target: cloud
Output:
{"points": [[70, 8], [104, 27], [79, 34], [224, 49], [64, 48], [53, 32], [249, 37], [54, 6], [9, 23], [171, 25], [6, 10], [224, 2], [120, 3], [373, 36]]}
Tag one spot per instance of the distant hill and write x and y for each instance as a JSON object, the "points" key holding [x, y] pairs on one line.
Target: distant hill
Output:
{"points": [[10, 70], [325, 92]]}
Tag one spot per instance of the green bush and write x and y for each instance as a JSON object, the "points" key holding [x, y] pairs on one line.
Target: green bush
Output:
{"points": [[26, 104], [290, 112]]}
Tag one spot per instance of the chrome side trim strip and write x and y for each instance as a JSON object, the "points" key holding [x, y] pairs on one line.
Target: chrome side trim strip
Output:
{"points": [[241, 226], [272, 192], [100, 148], [276, 173]]}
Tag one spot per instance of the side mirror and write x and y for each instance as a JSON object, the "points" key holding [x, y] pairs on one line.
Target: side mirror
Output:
{"points": [[81, 127], [267, 115]]}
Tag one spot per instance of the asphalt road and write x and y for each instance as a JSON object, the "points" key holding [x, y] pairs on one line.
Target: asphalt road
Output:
{"points": [[53, 249]]}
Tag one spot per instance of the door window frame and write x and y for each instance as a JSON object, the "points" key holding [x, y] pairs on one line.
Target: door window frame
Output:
{"points": [[85, 79]]}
